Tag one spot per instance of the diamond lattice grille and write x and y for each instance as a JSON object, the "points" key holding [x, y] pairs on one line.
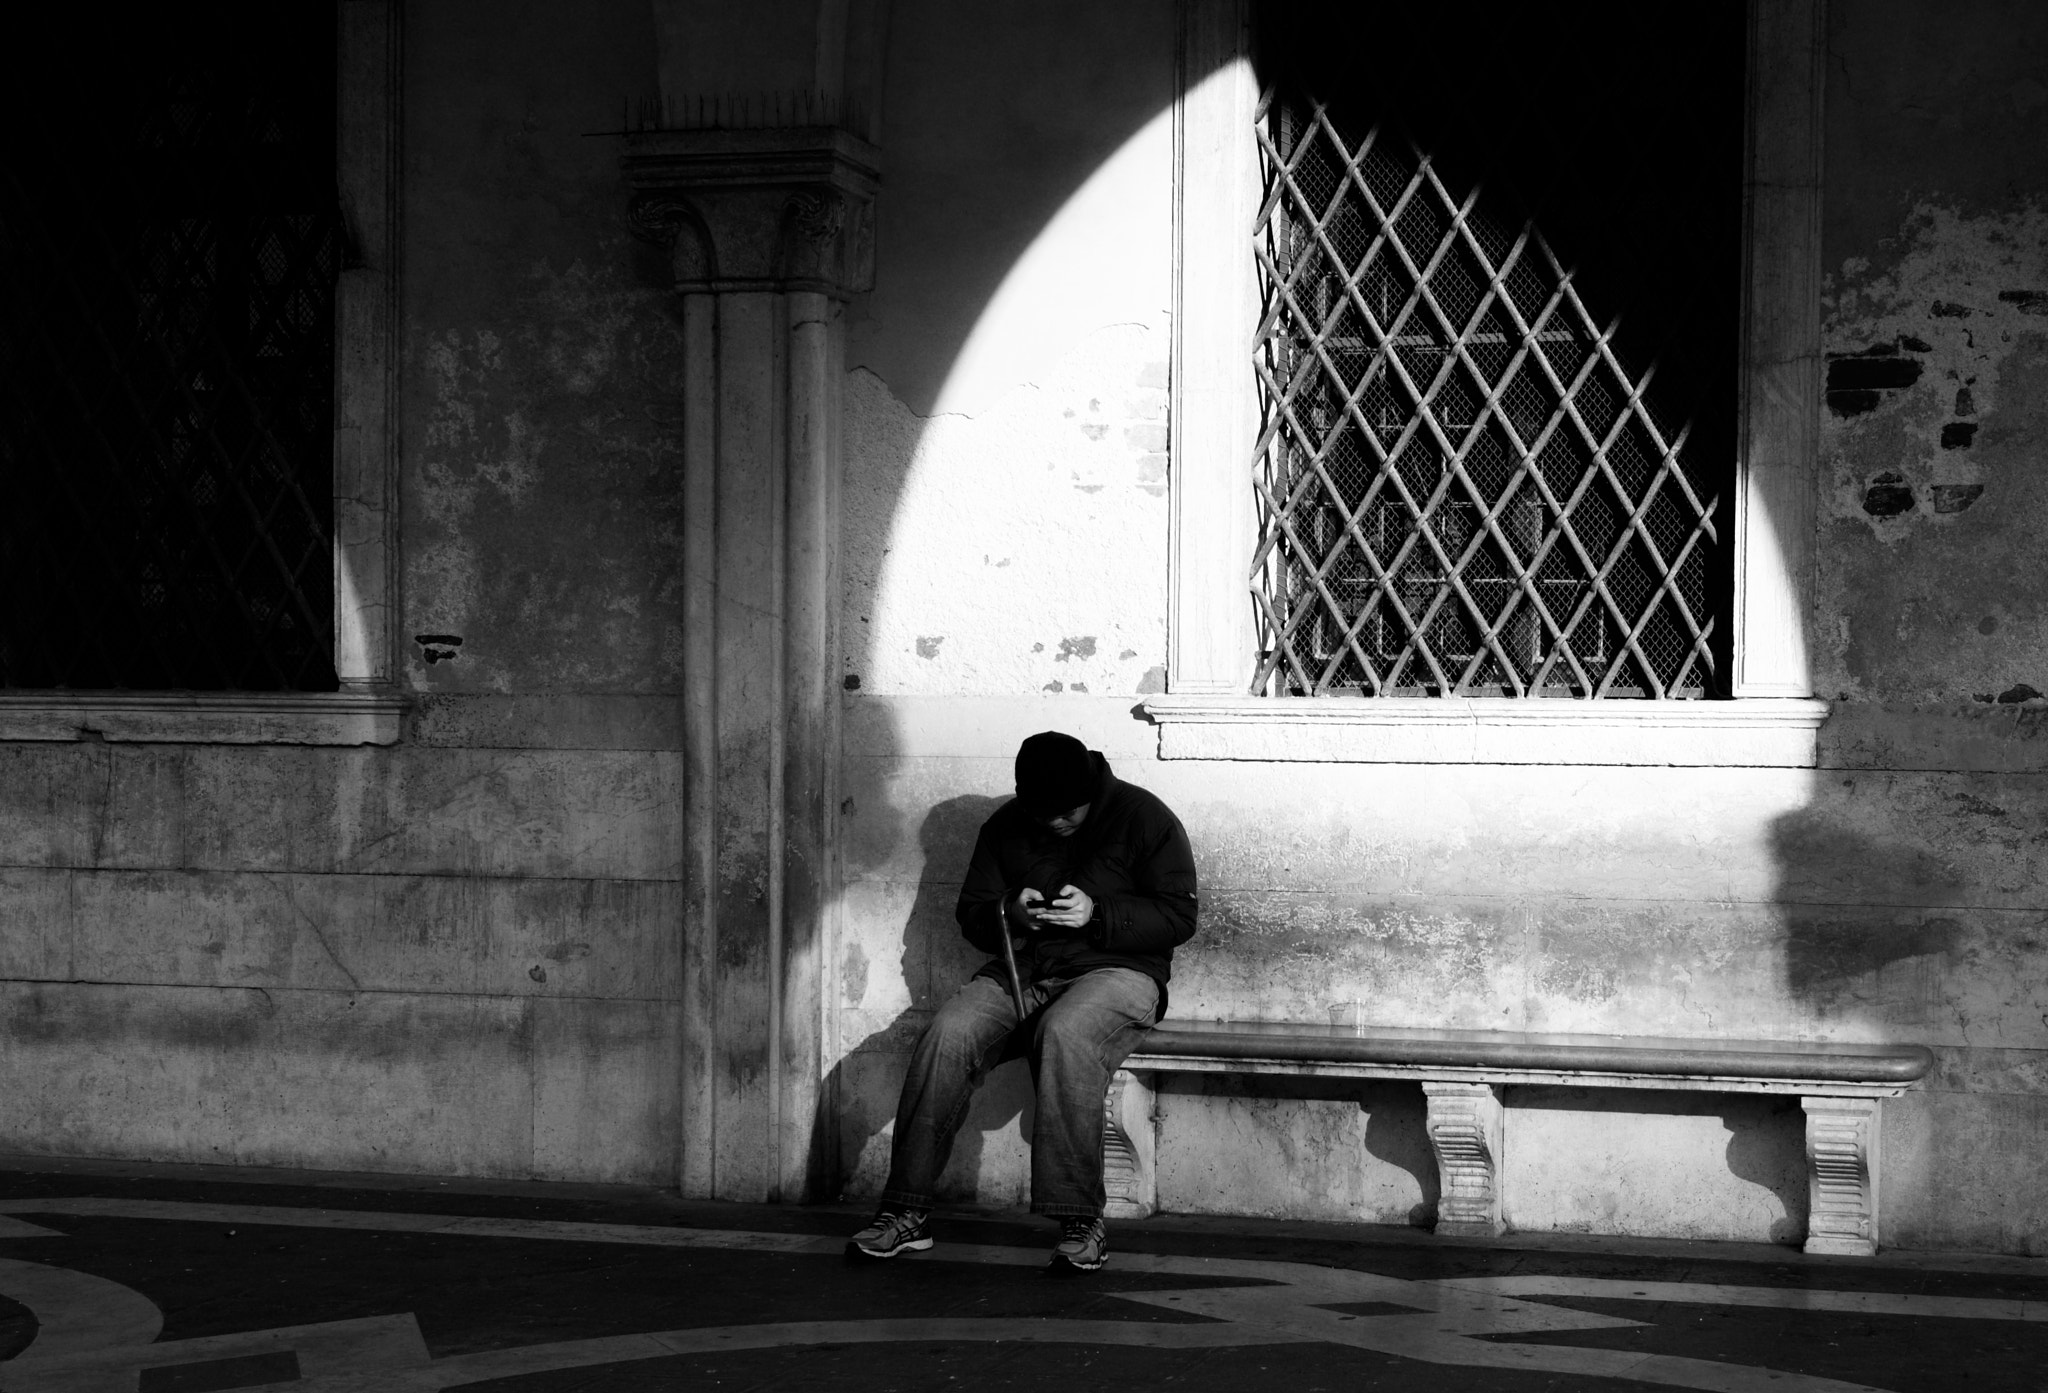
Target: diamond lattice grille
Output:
{"points": [[1464, 486], [167, 356]]}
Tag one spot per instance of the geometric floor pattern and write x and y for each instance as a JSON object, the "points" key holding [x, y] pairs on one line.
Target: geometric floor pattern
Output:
{"points": [[160, 1284]]}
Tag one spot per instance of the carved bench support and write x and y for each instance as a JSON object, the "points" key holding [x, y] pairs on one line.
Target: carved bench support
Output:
{"points": [[1128, 1139], [1841, 1175], [1464, 1130]]}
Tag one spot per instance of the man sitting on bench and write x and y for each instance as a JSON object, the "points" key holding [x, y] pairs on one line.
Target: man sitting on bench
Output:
{"points": [[1093, 882]]}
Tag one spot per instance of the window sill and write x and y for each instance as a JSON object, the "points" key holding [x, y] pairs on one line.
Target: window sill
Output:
{"points": [[1774, 732], [204, 718]]}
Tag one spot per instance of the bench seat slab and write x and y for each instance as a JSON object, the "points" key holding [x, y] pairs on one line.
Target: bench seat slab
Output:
{"points": [[1462, 1074]]}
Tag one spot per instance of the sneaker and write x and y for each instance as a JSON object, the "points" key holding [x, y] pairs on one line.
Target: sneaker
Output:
{"points": [[894, 1231], [1084, 1246]]}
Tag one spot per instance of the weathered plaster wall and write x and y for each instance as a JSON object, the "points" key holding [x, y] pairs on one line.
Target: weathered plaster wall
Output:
{"points": [[1005, 511], [541, 361], [454, 955], [1889, 895], [1005, 517], [458, 954], [1919, 855]]}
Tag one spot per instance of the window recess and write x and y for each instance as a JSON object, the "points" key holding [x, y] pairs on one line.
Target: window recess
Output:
{"points": [[1500, 284], [167, 352]]}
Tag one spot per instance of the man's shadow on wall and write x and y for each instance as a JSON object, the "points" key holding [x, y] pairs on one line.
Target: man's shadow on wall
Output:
{"points": [[934, 961], [1869, 931], [1871, 924]]}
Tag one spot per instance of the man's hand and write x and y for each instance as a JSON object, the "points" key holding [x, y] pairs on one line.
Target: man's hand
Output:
{"points": [[1070, 910], [1017, 911]]}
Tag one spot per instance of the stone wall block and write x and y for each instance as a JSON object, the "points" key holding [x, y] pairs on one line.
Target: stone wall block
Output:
{"points": [[355, 933], [605, 1068], [409, 810], [434, 1084]]}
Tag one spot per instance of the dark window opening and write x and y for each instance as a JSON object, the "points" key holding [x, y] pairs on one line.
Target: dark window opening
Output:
{"points": [[168, 217], [1500, 254]]}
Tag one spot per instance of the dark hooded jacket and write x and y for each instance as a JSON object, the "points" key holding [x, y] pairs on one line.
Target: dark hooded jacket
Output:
{"points": [[1130, 854]]}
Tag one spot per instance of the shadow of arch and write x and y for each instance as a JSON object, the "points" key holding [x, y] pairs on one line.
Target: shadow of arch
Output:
{"points": [[996, 116]]}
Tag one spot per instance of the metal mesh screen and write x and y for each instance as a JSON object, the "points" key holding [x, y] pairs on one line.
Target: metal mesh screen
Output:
{"points": [[1471, 480], [167, 354]]}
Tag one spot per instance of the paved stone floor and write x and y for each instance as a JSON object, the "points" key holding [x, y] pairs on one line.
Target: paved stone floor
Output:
{"points": [[153, 1279]]}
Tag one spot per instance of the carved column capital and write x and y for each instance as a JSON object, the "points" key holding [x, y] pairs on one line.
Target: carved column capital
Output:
{"points": [[764, 210]]}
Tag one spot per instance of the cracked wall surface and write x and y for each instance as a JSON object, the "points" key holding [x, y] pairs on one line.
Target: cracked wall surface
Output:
{"points": [[1891, 894]]}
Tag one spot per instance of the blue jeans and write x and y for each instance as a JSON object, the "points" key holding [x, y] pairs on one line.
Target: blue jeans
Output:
{"points": [[1076, 1031]]}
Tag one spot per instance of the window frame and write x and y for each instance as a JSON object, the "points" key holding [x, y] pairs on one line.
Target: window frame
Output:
{"points": [[1771, 717], [367, 709]]}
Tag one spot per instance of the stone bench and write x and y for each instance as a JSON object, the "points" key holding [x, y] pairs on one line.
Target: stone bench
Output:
{"points": [[1462, 1073]]}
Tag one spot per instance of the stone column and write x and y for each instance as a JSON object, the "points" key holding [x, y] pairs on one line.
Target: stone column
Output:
{"points": [[768, 233]]}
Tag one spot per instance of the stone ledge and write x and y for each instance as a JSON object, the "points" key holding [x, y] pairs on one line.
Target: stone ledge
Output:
{"points": [[1773, 732], [204, 718]]}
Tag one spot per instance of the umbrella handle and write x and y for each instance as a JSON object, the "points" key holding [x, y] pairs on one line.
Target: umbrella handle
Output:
{"points": [[1010, 964]]}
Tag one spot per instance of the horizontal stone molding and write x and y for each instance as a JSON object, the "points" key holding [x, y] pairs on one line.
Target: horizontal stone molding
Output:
{"points": [[1775, 732], [205, 718]]}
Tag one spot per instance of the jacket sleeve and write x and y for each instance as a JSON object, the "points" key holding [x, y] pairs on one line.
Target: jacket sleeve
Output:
{"points": [[980, 910], [1159, 915]]}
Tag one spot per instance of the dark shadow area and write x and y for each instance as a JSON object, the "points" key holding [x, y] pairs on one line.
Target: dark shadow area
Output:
{"points": [[1870, 923], [167, 370], [1760, 1155], [983, 150], [935, 960], [1630, 168], [1397, 1132]]}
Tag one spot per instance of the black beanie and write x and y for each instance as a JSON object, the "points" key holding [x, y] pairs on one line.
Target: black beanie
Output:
{"points": [[1055, 773]]}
